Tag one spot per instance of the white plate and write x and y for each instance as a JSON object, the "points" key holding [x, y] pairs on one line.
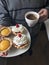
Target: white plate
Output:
{"points": [[15, 52]]}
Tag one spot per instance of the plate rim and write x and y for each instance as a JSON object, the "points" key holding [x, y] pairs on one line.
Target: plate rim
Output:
{"points": [[23, 52]]}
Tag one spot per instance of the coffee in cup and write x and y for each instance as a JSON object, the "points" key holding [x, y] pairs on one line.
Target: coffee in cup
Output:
{"points": [[31, 18]]}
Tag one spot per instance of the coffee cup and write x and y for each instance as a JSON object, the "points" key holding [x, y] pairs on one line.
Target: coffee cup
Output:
{"points": [[31, 18]]}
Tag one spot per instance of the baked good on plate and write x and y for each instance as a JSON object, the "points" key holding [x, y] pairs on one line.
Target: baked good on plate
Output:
{"points": [[18, 28], [5, 44], [20, 41], [5, 31]]}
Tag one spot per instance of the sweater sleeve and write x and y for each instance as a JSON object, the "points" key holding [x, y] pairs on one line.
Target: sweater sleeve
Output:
{"points": [[47, 6], [5, 18]]}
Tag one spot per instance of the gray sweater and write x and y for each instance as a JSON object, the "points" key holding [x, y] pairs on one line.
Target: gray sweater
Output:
{"points": [[16, 9], [13, 11]]}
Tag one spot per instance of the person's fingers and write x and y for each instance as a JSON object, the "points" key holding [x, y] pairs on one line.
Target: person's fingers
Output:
{"points": [[42, 19], [41, 15], [41, 11], [0, 26]]}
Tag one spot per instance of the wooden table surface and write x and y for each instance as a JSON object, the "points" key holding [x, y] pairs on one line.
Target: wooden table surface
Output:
{"points": [[40, 54]]}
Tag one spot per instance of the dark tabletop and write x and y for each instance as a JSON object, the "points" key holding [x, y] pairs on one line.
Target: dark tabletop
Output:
{"points": [[40, 54]]}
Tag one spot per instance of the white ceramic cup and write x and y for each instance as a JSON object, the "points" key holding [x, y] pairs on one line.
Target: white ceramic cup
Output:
{"points": [[34, 21]]}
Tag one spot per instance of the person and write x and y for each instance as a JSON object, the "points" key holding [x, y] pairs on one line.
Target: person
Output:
{"points": [[13, 11]]}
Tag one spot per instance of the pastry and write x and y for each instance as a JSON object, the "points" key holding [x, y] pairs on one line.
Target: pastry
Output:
{"points": [[18, 28], [5, 44], [5, 31], [20, 41]]}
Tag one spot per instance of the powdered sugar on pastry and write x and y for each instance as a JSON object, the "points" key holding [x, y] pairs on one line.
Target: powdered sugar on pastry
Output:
{"points": [[20, 39], [18, 28]]}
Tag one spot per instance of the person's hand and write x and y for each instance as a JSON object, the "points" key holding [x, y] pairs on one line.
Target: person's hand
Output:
{"points": [[43, 14], [0, 26]]}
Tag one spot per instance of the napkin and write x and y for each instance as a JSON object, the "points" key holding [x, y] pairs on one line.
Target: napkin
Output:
{"points": [[47, 27]]}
